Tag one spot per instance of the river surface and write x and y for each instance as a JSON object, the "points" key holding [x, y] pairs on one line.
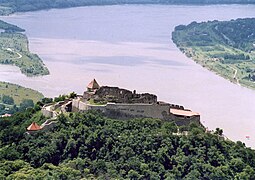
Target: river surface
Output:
{"points": [[130, 46]]}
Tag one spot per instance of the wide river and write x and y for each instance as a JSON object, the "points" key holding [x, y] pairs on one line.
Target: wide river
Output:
{"points": [[130, 46]]}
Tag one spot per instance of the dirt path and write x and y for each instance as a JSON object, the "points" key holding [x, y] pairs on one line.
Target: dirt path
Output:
{"points": [[234, 77], [11, 50]]}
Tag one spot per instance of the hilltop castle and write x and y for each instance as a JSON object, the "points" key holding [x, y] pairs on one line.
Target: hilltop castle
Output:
{"points": [[115, 102], [118, 103]]}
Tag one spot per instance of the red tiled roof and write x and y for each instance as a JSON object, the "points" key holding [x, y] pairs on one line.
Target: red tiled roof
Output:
{"points": [[34, 127], [6, 115], [183, 112], [93, 85]]}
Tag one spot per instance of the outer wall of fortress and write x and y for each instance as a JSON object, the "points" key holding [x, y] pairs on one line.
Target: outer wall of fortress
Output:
{"points": [[125, 111]]}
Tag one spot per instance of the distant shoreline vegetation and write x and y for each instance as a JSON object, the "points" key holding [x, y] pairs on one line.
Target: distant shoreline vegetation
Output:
{"points": [[224, 47], [11, 6], [14, 50], [15, 98]]}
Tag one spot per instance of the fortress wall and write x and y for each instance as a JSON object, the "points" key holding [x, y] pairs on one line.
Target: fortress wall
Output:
{"points": [[184, 121], [83, 106], [97, 107], [57, 105], [78, 105], [125, 111], [175, 106], [75, 105], [47, 113], [139, 110], [49, 126]]}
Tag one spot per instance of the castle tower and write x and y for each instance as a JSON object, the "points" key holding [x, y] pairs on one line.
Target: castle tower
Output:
{"points": [[33, 128], [93, 85]]}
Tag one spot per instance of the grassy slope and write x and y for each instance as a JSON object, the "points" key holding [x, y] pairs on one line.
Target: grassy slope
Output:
{"points": [[219, 49], [18, 93]]}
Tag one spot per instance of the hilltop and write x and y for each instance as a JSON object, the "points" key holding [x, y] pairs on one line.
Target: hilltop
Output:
{"points": [[225, 47], [12, 6], [89, 145]]}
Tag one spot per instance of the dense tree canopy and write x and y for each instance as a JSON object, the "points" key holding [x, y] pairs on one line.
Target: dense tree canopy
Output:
{"points": [[90, 145]]}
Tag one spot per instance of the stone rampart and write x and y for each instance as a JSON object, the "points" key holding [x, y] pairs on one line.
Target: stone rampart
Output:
{"points": [[159, 110], [48, 124], [47, 113], [136, 110], [79, 105], [184, 121]]}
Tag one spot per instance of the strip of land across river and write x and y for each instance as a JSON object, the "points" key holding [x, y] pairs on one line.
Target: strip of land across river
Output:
{"points": [[15, 51], [11, 6], [225, 47]]}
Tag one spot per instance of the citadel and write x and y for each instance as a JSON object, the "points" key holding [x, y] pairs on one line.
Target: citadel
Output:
{"points": [[115, 102]]}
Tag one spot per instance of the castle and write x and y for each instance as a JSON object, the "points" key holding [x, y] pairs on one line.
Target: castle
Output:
{"points": [[118, 103]]}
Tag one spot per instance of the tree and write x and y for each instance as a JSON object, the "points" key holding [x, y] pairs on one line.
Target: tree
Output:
{"points": [[60, 98], [47, 100], [7, 99], [193, 174], [88, 145], [132, 174], [72, 95], [26, 103], [219, 131]]}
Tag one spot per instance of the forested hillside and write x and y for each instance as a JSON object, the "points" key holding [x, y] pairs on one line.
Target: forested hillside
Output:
{"points": [[225, 47], [10, 6], [87, 145]]}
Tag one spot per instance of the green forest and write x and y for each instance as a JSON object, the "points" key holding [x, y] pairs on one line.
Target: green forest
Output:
{"points": [[225, 47], [15, 51], [89, 145], [11, 6]]}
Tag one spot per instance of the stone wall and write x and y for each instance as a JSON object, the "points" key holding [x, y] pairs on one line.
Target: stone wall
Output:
{"points": [[47, 113], [78, 105], [175, 106], [184, 121], [48, 125], [135, 110]]}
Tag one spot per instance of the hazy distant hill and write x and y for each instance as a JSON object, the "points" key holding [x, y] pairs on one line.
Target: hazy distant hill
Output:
{"points": [[11, 6]]}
